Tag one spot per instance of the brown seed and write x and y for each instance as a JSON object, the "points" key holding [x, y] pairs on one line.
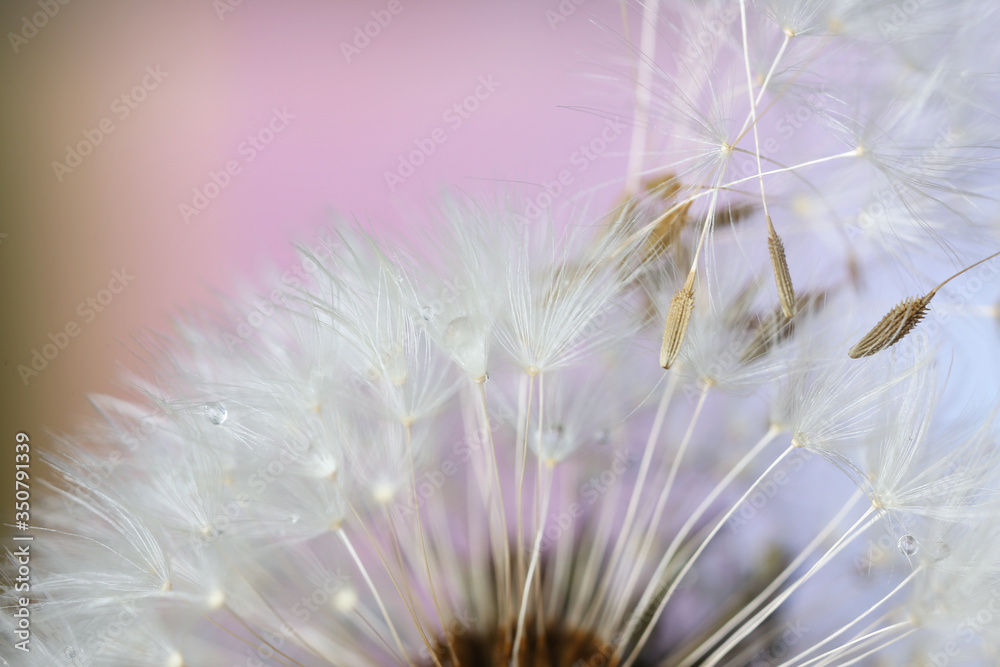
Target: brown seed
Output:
{"points": [[900, 320], [767, 332], [667, 231], [782, 276], [733, 214], [665, 186], [774, 327], [678, 318], [890, 330]]}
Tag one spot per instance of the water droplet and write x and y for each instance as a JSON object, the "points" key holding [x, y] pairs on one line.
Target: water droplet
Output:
{"points": [[216, 412], [943, 551], [466, 343], [69, 652], [460, 332], [907, 545], [486, 376], [427, 313]]}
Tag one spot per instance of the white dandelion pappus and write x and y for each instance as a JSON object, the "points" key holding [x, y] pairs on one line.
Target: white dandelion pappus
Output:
{"points": [[464, 452]]}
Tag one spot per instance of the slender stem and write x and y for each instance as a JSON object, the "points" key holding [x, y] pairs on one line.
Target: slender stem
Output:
{"points": [[505, 584], [540, 517], [640, 481], [594, 559], [235, 636], [877, 648], [371, 587], [366, 625], [643, 93], [844, 629], [706, 645], [714, 190], [523, 452], [416, 613], [763, 88], [661, 569], [535, 553], [277, 614], [403, 595], [423, 548], [660, 505], [859, 527], [971, 266], [859, 640], [251, 630], [753, 108], [774, 66]]}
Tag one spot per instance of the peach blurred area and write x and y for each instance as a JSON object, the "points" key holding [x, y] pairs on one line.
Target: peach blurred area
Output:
{"points": [[170, 96]]}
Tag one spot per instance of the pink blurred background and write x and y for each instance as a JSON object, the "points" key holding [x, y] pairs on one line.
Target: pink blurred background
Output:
{"points": [[202, 77]]}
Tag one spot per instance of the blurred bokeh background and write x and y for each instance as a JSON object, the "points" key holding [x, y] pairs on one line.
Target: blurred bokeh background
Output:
{"points": [[157, 154]]}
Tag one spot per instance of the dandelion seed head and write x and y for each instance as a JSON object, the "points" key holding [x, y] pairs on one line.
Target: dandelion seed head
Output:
{"points": [[346, 488]]}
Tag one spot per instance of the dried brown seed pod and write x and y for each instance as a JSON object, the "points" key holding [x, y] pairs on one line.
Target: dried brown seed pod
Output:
{"points": [[774, 327], [678, 318], [900, 320], [782, 276], [890, 330]]}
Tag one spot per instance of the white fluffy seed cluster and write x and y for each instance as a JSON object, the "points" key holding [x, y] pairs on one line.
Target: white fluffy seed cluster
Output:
{"points": [[464, 445]]}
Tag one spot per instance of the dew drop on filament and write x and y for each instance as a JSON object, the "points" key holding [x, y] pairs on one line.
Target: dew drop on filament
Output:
{"points": [[907, 545], [216, 412]]}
